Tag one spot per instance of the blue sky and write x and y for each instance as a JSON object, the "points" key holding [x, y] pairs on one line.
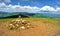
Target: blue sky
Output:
{"points": [[38, 3], [30, 4]]}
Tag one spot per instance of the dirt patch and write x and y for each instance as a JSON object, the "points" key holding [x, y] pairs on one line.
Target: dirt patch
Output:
{"points": [[40, 29]]}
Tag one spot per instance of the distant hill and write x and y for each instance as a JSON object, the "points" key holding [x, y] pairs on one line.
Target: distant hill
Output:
{"points": [[25, 14], [46, 15], [4, 14], [15, 14]]}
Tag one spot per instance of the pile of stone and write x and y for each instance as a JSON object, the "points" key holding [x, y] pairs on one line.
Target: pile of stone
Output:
{"points": [[19, 24]]}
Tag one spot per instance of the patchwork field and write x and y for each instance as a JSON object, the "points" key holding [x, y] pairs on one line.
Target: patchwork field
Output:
{"points": [[42, 27]]}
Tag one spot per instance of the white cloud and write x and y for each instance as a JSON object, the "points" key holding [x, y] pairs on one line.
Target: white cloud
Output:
{"points": [[19, 8], [48, 8], [2, 5], [58, 9]]}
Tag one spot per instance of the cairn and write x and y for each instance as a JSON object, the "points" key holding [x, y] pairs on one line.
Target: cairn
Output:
{"points": [[19, 23]]}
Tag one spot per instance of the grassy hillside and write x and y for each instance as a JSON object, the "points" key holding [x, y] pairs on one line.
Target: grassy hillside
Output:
{"points": [[40, 16], [45, 15]]}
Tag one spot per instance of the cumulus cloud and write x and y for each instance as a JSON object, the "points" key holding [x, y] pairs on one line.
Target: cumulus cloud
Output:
{"points": [[58, 9], [48, 8], [19, 8]]}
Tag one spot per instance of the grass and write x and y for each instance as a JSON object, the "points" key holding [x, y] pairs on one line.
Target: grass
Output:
{"points": [[55, 21], [49, 24]]}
